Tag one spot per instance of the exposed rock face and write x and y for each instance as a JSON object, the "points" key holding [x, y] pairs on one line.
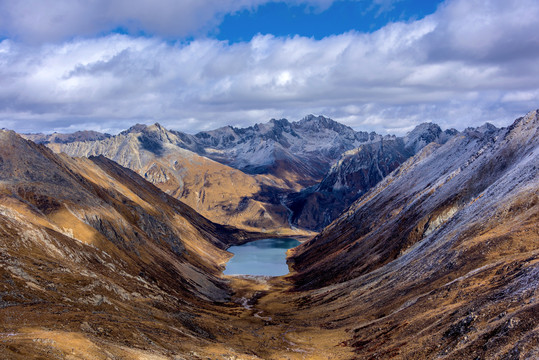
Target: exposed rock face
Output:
{"points": [[440, 258], [223, 194], [300, 151], [356, 172]]}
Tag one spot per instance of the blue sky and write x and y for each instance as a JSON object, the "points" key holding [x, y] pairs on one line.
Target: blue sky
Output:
{"points": [[382, 65], [282, 19]]}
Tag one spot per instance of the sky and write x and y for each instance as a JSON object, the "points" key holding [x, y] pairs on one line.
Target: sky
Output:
{"points": [[194, 65]]}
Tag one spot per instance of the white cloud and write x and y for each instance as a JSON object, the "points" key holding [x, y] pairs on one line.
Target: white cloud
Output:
{"points": [[453, 67], [37, 21]]}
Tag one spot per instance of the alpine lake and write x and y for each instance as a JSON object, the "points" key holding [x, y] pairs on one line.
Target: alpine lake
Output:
{"points": [[265, 257]]}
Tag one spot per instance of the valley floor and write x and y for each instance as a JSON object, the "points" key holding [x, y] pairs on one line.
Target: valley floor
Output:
{"points": [[259, 323], [475, 316], [269, 326]]}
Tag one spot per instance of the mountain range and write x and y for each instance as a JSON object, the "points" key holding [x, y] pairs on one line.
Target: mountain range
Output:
{"points": [[294, 177], [435, 256], [223, 194]]}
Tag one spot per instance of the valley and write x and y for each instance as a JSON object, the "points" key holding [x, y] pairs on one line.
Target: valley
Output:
{"points": [[113, 247]]}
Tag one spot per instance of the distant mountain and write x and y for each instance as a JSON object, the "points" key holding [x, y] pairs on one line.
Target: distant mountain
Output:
{"points": [[299, 152], [302, 151], [57, 138], [274, 159], [356, 172], [440, 258], [223, 194]]}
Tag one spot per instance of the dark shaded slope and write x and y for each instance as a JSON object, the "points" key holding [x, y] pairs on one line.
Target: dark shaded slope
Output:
{"points": [[219, 235], [356, 172]]}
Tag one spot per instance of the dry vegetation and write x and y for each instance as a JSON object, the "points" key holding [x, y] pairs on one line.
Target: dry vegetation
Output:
{"points": [[439, 261]]}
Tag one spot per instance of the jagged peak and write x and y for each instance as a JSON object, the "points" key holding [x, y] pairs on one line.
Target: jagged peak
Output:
{"points": [[280, 122], [487, 128], [227, 129], [156, 127], [134, 129], [424, 128], [7, 134], [320, 122], [311, 117], [320, 119], [64, 138], [422, 135]]}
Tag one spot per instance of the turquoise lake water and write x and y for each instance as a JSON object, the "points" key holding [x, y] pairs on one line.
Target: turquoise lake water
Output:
{"points": [[261, 257]]}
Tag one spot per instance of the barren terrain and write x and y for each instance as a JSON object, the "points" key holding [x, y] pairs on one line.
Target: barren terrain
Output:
{"points": [[440, 260]]}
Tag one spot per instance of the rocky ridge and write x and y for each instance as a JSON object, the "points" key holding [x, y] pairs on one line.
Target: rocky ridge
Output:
{"points": [[57, 138], [302, 150]]}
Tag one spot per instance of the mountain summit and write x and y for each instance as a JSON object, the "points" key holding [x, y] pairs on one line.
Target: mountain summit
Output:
{"points": [[302, 151]]}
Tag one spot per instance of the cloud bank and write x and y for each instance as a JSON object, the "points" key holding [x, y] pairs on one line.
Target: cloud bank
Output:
{"points": [[470, 62], [37, 21]]}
